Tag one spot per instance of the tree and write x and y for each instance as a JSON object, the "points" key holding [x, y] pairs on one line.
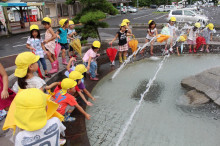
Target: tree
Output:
{"points": [[92, 13]]}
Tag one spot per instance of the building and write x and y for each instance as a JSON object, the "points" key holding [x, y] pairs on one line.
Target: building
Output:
{"points": [[118, 2]]}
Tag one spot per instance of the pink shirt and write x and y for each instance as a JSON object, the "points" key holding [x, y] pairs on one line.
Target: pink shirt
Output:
{"points": [[89, 53]]}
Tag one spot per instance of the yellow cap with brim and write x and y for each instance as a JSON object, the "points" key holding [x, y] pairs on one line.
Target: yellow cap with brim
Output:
{"points": [[123, 24], [66, 84], [75, 75], [62, 22], [126, 21], [173, 19], [47, 19], [34, 26], [30, 113], [71, 22], [210, 26], [96, 44], [81, 68], [23, 61], [150, 21]]}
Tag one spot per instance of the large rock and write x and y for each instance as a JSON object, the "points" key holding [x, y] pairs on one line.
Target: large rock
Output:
{"points": [[207, 82]]}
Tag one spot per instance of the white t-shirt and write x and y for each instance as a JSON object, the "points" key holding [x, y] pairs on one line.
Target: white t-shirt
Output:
{"points": [[36, 44], [35, 82], [192, 34], [153, 32], [69, 32], [172, 28], [49, 135]]}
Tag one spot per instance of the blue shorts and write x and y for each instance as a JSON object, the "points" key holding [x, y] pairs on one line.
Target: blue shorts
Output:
{"points": [[64, 46]]}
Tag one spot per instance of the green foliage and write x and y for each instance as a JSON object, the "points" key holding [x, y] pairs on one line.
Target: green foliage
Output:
{"points": [[92, 13]]}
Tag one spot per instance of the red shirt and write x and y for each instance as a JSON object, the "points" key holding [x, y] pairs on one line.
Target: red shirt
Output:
{"points": [[64, 101]]}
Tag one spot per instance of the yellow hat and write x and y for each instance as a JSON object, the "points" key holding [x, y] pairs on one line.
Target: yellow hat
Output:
{"points": [[62, 22], [66, 84], [123, 24], [172, 18], [197, 24], [125, 20], [210, 26], [34, 27], [47, 19], [81, 68], [23, 61], [96, 44], [182, 39], [30, 113], [150, 21], [71, 22], [75, 75]]}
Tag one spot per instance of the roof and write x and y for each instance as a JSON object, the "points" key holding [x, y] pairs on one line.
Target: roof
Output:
{"points": [[20, 4]]}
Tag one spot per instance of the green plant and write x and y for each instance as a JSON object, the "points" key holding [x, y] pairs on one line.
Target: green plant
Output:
{"points": [[92, 14]]}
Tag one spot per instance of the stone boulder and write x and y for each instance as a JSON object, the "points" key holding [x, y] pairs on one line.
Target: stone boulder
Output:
{"points": [[206, 82]]}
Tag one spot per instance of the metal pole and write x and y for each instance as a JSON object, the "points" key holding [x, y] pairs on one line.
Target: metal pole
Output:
{"points": [[137, 3], [28, 17], [7, 20]]}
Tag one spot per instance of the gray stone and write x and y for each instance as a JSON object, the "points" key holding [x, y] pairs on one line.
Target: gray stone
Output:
{"points": [[196, 98], [206, 83]]}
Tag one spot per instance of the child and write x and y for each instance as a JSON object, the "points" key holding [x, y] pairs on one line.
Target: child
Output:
{"points": [[5, 97], [193, 34], [151, 32], [26, 65], [62, 35], [71, 33], [89, 60], [50, 44], [179, 44], [172, 28], [207, 34], [128, 24], [82, 69], [30, 117], [122, 36], [66, 101], [35, 44]]}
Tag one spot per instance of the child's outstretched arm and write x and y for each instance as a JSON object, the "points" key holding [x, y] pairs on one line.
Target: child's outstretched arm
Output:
{"points": [[82, 111], [84, 99], [43, 47], [89, 94], [29, 47], [52, 85], [211, 36], [4, 75], [114, 39], [53, 35], [58, 34], [156, 32], [70, 62]]}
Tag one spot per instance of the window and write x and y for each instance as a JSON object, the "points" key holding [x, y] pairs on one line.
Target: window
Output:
{"points": [[161, 7], [188, 13], [47, 11], [178, 12]]}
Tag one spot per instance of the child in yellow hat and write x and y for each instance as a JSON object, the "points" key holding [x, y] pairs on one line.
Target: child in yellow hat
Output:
{"points": [[122, 37], [89, 60], [193, 34], [35, 44], [207, 33], [66, 101], [50, 44], [71, 33], [31, 117], [26, 65], [172, 29], [62, 38], [82, 69], [179, 44]]}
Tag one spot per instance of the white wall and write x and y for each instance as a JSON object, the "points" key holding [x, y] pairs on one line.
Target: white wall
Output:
{"points": [[52, 10]]}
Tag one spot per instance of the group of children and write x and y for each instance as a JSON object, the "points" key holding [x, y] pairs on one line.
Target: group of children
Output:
{"points": [[30, 110], [174, 41]]}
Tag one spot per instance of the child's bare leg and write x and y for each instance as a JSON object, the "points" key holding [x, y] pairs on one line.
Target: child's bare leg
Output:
{"points": [[53, 57], [125, 55], [143, 50], [202, 48], [151, 47], [120, 56], [207, 48], [49, 56], [177, 50], [63, 53]]}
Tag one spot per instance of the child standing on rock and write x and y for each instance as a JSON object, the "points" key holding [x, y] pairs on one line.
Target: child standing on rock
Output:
{"points": [[62, 35], [50, 44], [122, 36], [193, 34], [207, 34], [35, 44]]}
